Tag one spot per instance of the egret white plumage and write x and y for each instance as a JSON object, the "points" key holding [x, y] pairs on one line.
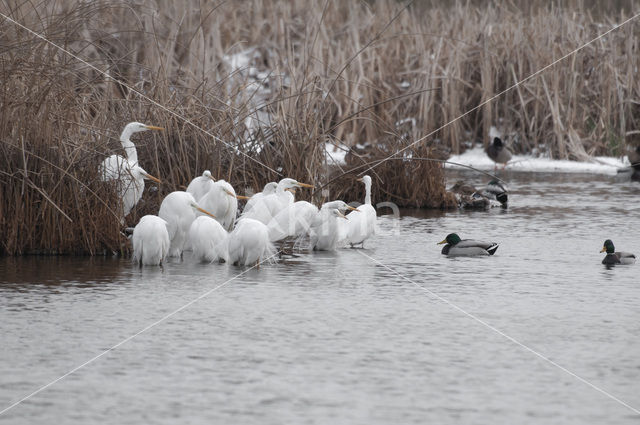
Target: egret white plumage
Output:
{"points": [[201, 185], [208, 239], [178, 209], [362, 224], [125, 170], [270, 205], [326, 231], [221, 200], [249, 243], [268, 189], [293, 221], [150, 241]]}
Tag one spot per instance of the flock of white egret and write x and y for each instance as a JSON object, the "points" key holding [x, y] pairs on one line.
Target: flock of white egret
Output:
{"points": [[205, 219]]}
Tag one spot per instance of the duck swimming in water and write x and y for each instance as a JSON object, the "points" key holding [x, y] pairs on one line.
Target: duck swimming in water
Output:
{"points": [[466, 247], [614, 257]]}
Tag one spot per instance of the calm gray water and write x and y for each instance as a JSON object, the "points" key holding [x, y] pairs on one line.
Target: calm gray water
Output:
{"points": [[338, 338]]}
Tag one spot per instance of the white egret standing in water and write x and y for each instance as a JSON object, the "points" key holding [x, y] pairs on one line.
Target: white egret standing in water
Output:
{"points": [[150, 241], [201, 185], [270, 205], [327, 231], [362, 224], [208, 240], [268, 189], [125, 170], [293, 221], [221, 200], [178, 209], [249, 243]]}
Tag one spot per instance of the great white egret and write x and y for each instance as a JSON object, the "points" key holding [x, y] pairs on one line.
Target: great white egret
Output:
{"points": [[293, 221], [221, 200], [178, 209], [268, 189], [327, 231], [150, 241], [249, 243], [270, 205], [208, 239], [201, 185], [125, 170], [362, 224]]}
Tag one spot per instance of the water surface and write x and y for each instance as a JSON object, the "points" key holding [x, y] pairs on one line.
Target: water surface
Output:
{"points": [[356, 336]]}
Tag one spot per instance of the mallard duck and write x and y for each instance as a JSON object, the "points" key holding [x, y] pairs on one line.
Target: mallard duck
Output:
{"points": [[634, 159], [496, 190], [469, 197], [498, 152], [466, 247], [614, 257]]}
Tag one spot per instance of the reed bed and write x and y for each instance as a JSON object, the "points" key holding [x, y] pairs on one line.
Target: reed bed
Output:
{"points": [[345, 73]]}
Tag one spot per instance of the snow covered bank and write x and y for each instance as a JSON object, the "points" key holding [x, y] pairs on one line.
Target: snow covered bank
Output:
{"points": [[477, 158]]}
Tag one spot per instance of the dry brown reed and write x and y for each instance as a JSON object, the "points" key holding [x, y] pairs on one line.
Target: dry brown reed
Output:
{"points": [[339, 72]]}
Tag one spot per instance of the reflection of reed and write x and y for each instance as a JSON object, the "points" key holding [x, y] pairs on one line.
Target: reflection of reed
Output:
{"points": [[351, 73]]}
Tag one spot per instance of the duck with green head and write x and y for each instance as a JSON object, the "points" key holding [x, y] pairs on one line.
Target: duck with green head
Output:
{"points": [[466, 247], [614, 257]]}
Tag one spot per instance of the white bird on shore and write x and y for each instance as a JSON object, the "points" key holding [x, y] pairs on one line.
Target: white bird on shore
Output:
{"points": [[270, 205], [178, 209], [327, 231], [249, 243], [208, 240], [221, 200], [293, 221], [125, 170], [150, 241], [268, 189], [201, 185], [362, 224]]}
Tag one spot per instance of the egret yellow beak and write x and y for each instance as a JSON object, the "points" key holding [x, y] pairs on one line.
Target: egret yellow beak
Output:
{"points": [[211, 177], [153, 127], [245, 198], [352, 209], [150, 177], [234, 195], [604, 249], [202, 210], [342, 215], [360, 179], [441, 242], [305, 185]]}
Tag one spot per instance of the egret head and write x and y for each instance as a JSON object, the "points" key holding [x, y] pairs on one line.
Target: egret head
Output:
{"points": [[366, 180], [336, 213], [269, 188], [289, 183], [197, 207], [230, 193], [207, 173], [138, 172], [136, 127], [339, 205]]}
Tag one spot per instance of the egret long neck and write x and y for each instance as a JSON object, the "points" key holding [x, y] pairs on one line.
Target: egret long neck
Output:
{"points": [[129, 148], [367, 195]]}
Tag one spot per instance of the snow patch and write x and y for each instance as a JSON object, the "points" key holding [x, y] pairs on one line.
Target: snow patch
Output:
{"points": [[477, 158]]}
